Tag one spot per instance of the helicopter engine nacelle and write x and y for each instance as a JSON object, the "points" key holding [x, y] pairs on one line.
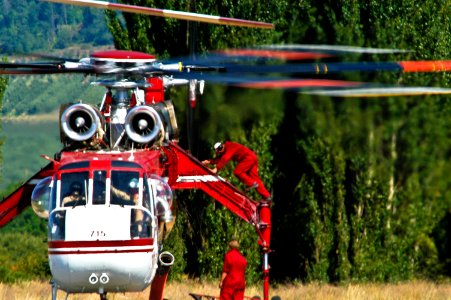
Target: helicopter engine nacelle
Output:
{"points": [[143, 124], [79, 122], [167, 113]]}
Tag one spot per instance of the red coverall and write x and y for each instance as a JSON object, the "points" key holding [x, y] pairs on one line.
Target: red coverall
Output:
{"points": [[247, 165], [234, 283]]}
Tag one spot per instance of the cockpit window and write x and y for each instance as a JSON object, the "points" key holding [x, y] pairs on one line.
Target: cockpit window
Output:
{"points": [[99, 192], [124, 188], [74, 187]]}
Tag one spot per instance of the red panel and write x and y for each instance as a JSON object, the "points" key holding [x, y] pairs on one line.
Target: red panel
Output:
{"points": [[122, 54], [155, 93]]}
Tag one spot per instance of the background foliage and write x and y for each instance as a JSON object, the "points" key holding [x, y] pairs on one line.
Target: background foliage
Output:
{"points": [[28, 26], [361, 188]]}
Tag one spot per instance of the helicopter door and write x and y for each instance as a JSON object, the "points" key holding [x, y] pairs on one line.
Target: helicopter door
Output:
{"points": [[142, 223]]}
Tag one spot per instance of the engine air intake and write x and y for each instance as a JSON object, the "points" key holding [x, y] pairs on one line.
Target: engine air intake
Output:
{"points": [[142, 124], [79, 122]]}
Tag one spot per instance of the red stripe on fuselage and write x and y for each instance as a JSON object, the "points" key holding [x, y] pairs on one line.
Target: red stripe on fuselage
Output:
{"points": [[85, 244], [82, 247], [98, 251]]}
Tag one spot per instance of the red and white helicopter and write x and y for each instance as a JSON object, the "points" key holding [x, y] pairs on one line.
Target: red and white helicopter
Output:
{"points": [[108, 194]]}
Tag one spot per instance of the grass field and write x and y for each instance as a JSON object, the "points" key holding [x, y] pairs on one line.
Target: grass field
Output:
{"points": [[418, 290]]}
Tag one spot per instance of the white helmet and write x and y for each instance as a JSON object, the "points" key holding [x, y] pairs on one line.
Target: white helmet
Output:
{"points": [[218, 146]]}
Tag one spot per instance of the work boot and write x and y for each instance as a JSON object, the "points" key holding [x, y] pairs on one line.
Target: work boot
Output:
{"points": [[269, 199]]}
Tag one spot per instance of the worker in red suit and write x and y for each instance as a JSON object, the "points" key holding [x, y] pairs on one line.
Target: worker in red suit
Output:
{"points": [[233, 282], [247, 165]]}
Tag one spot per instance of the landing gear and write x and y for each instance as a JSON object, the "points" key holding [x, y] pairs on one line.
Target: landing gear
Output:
{"points": [[54, 289], [102, 294]]}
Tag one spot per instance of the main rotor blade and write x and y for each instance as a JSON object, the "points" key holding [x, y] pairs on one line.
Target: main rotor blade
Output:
{"points": [[54, 57], [166, 13], [32, 68], [379, 92], [301, 52], [275, 54], [345, 89], [334, 49], [323, 87], [259, 82], [328, 68], [426, 66], [299, 83], [38, 71], [37, 65]]}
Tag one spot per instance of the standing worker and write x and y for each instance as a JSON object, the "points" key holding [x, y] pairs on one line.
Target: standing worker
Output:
{"points": [[233, 282], [247, 165]]}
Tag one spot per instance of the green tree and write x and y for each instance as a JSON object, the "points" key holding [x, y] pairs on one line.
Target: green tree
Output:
{"points": [[381, 186]]}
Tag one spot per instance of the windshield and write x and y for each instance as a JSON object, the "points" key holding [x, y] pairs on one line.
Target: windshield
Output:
{"points": [[125, 188], [122, 188], [117, 201], [74, 188]]}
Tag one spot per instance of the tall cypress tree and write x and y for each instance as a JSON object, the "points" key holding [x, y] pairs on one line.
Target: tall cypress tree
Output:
{"points": [[376, 209]]}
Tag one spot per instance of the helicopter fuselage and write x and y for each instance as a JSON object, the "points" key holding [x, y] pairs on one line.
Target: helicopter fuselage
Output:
{"points": [[104, 218]]}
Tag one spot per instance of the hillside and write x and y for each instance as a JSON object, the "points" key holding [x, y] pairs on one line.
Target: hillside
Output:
{"points": [[37, 27], [31, 95], [24, 140], [31, 26]]}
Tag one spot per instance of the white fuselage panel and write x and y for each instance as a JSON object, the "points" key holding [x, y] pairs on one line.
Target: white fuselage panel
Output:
{"points": [[98, 253]]}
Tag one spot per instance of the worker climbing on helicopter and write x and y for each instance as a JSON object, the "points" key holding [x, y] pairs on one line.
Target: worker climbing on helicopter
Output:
{"points": [[247, 165]]}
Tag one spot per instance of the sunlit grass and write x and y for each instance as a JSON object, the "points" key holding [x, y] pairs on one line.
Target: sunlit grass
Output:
{"points": [[416, 290]]}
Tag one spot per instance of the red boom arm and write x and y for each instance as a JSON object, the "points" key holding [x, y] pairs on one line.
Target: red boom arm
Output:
{"points": [[186, 172], [20, 199]]}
